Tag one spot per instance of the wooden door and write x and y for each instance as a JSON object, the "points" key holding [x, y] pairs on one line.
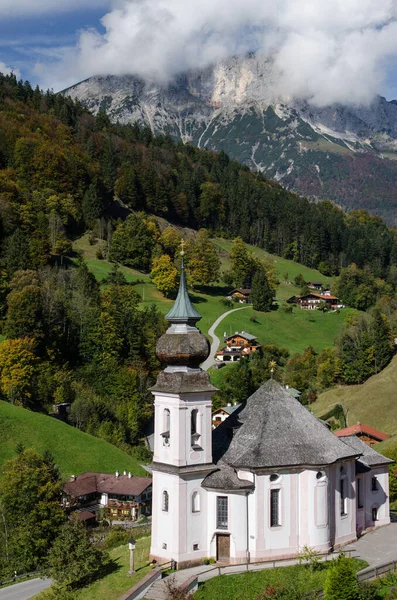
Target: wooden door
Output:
{"points": [[222, 547]]}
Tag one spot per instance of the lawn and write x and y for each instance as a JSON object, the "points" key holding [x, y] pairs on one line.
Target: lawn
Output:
{"points": [[248, 586], [74, 451], [116, 581], [372, 403], [295, 331]]}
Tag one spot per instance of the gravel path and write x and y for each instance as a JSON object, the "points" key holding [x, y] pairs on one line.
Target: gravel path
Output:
{"points": [[215, 340]]}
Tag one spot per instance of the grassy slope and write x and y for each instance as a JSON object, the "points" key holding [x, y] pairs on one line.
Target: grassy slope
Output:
{"points": [[295, 331], [73, 450], [249, 586], [117, 581], [372, 403]]}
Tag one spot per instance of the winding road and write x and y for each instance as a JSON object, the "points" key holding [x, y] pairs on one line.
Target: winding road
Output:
{"points": [[215, 340], [24, 590]]}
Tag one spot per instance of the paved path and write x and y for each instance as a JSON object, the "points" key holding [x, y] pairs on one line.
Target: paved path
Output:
{"points": [[377, 547], [24, 590], [215, 340]]}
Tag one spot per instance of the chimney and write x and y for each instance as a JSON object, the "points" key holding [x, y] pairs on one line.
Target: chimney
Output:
{"points": [[73, 478], [129, 475], [125, 472], [117, 473], [287, 387]]}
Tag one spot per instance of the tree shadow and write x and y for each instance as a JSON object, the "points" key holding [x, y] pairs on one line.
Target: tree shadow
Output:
{"points": [[197, 299], [213, 290]]}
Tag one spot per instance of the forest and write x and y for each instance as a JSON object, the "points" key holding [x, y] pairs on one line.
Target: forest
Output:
{"points": [[65, 172]]}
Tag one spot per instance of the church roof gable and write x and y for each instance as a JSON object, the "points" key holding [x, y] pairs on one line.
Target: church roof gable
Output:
{"points": [[273, 429]]}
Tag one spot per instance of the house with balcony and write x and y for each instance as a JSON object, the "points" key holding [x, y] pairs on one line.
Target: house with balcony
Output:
{"points": [[124, 497]]}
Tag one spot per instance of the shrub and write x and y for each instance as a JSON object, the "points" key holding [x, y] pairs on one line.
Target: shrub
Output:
{"points": [[341, 582]]}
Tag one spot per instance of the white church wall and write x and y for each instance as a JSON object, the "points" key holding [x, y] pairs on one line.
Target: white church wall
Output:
{"points": [[377, 499], [345, 523], [237, 525], [315, 495], [179, 533]]}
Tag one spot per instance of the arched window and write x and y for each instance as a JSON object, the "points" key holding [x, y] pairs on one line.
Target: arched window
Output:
{"points": [[196, 502], [195, 428], [165, 501], [166, 427]]}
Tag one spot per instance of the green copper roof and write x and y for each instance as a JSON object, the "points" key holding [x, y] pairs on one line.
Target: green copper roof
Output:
{"points": [[183, 310]]}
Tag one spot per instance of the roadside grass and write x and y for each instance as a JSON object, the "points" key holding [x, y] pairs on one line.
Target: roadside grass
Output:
{"points": [[74, 451], [116, 581], [248, 586], [373, 402]]}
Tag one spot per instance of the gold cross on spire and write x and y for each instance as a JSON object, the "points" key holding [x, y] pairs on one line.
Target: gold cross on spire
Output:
{"points": [[183, 247]]}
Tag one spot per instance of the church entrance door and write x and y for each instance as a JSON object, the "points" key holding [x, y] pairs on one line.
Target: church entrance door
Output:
{"points": [[222, 547]]}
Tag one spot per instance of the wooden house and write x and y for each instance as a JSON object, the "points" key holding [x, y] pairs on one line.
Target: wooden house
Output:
{"points": [[313, 301], [221, 414], [367, 434], [124, 496], [241, 295], [237, 345], [315, 285]]}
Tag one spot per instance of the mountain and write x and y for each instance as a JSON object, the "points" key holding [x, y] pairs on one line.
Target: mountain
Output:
{"points": [[344, 153]]}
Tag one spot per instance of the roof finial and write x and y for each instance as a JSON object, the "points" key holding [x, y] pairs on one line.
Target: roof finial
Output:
{"points": [[182, 247]]}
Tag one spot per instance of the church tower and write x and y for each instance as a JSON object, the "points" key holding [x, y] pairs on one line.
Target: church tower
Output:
{"points": [[182, 437]]}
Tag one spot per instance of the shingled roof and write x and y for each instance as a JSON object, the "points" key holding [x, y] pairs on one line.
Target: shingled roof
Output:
{"points": [[370, 457], [89, 483], [273, 429]]}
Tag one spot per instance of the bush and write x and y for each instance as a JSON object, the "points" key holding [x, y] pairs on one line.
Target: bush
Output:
{"points": [[117, 537], [226, 302], [341, 581]]}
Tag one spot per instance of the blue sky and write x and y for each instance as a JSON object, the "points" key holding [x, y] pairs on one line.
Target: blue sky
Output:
{"points": [[26, 40], [328, 50]]}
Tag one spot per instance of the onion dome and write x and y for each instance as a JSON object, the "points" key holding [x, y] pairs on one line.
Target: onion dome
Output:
{"points": [[183, 346]]}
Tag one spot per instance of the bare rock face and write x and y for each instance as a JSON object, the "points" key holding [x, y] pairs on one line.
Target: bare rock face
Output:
{"points": [[189, 349], [232, 106]]}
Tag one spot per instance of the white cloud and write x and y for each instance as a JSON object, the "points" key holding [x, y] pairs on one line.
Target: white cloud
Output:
{"points": [[325, 50], [7, 70], [25, 8]]}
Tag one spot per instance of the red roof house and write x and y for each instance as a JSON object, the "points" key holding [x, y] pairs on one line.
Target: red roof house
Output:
{"points": [[367, 434]]}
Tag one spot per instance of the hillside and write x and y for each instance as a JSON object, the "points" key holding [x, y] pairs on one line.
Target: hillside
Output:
{"points": [[73, 450], [372, 403], [294, 331], [232, 107]]}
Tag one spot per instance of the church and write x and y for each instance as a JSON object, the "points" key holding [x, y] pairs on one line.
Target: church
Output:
{"points": [[269, 480]]}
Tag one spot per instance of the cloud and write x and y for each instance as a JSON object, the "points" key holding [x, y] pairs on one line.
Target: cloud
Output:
{"points": [[24, 8], [324, 50], [7, 70]]}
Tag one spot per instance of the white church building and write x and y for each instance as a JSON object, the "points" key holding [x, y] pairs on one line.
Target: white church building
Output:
{"points": [[267, 481]]}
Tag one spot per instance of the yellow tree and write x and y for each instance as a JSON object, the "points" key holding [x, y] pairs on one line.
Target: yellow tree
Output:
{"points": [[18, 364], [164, 275]]}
